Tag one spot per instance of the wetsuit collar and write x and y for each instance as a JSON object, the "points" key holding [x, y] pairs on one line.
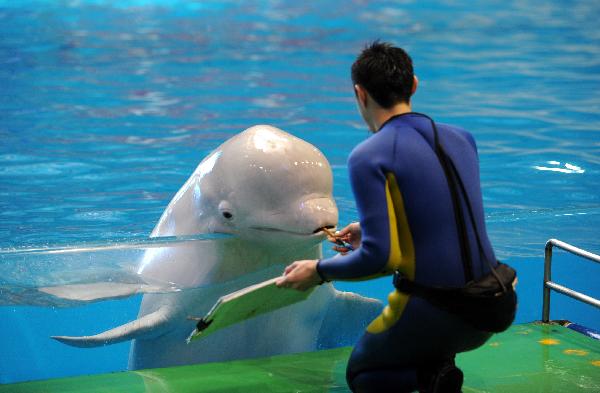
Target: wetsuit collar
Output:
{"points": [[397, 116]]}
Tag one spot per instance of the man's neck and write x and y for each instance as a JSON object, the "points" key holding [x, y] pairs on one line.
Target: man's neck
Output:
{"points": [[382, 115]]}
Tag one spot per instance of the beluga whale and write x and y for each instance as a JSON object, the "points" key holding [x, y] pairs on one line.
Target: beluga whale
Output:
{"points": [[272, 192]]}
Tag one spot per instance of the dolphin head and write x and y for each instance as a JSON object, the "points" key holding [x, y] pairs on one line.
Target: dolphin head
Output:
{"points": [[268, 186], [271, 190]]}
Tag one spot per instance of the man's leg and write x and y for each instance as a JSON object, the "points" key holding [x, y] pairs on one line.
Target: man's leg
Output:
{"points": [[384, 381], [424, 338]]}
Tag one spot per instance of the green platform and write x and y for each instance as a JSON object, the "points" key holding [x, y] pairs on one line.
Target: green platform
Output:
{"points": [[527, 358]]}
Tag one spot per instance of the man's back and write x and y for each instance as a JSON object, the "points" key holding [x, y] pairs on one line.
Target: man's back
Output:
{"points": [[404, 147]]}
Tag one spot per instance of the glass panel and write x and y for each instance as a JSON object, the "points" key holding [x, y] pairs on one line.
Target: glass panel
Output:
{"points": [[65, 276]]}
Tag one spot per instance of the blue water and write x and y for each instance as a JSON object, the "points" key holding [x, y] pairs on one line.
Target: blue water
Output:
{"points": [[107, 107]]}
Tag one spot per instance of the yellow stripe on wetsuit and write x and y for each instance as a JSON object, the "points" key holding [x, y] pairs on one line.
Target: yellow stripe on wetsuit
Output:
{"points": [[402, 256]]}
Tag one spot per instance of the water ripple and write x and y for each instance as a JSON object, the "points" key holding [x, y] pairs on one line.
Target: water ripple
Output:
{"points": [[107, 107]]}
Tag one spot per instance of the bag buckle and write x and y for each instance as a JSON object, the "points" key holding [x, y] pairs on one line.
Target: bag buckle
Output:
{"points": [[400, 281]]}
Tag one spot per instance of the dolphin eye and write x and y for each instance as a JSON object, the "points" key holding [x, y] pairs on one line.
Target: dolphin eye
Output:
{"points": [[226, 210]]}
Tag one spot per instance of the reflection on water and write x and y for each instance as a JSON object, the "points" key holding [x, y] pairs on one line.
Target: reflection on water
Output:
{"points": [[107, 108], [556, 166]]}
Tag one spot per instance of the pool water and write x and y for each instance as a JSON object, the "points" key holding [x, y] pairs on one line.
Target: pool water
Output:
{"points": [[107, 107]]}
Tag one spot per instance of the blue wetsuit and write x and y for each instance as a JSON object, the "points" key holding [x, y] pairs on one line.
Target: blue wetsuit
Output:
{"points": [[408, 224]]}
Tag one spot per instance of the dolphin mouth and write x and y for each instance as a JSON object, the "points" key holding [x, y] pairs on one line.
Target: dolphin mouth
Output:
{"points": [[325, 229], [319, 231]]}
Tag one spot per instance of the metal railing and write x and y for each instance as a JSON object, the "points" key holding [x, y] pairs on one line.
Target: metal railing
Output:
{"points": [[551, 285]]}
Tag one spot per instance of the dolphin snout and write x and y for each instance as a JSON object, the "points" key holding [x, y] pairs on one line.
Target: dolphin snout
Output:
{"points": [[317, 213]]}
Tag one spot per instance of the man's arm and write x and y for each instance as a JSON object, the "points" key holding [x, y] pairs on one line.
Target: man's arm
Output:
{"points": [[368, 182]]}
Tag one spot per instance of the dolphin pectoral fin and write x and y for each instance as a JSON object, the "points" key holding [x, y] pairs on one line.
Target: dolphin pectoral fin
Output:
{"points": [[149, 325], [99, 291]]}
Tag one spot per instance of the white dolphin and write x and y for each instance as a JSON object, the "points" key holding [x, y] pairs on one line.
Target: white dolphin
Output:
{"points": [[273, 192]]}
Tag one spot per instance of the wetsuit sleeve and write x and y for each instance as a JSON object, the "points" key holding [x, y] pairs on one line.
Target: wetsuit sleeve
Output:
{"points": [[368, 183]]}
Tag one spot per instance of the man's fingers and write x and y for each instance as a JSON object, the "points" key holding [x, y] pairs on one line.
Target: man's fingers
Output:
{"points": [[281, 282], [300, 275], [289, 268], [340, 249], [347, 237], [343, 232]]}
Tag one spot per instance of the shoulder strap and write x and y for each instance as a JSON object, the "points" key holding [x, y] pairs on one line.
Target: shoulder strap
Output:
{"points": [[455, 184], [461, 228], [473, 223]]}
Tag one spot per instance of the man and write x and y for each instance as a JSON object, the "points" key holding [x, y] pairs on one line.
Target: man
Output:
{"points": [[411, 223]]}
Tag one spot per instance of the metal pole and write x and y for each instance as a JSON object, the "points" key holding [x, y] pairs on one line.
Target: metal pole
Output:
{"points": [[575, 250], [549, 285], [547, 277], [574, 294]]}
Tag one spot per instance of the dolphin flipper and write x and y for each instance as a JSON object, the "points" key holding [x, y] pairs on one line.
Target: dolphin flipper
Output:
{"points": [[99, 291], [149, 325], [346, 319]]}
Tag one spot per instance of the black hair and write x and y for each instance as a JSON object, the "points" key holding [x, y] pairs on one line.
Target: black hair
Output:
{"points": [[386, 72]]}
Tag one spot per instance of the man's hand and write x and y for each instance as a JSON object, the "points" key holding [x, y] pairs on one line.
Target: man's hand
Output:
{"points": [[350, 234], [300, 275]]}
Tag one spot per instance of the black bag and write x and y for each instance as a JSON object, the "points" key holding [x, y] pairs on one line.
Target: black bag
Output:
{"points": [[489, 303]]}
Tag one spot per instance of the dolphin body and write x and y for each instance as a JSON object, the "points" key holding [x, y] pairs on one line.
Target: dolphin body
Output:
{"points": [[273, 192]]}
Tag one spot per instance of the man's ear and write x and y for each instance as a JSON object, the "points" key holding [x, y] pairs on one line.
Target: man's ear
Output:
{"points": [[415, 84], [361, 95]]}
